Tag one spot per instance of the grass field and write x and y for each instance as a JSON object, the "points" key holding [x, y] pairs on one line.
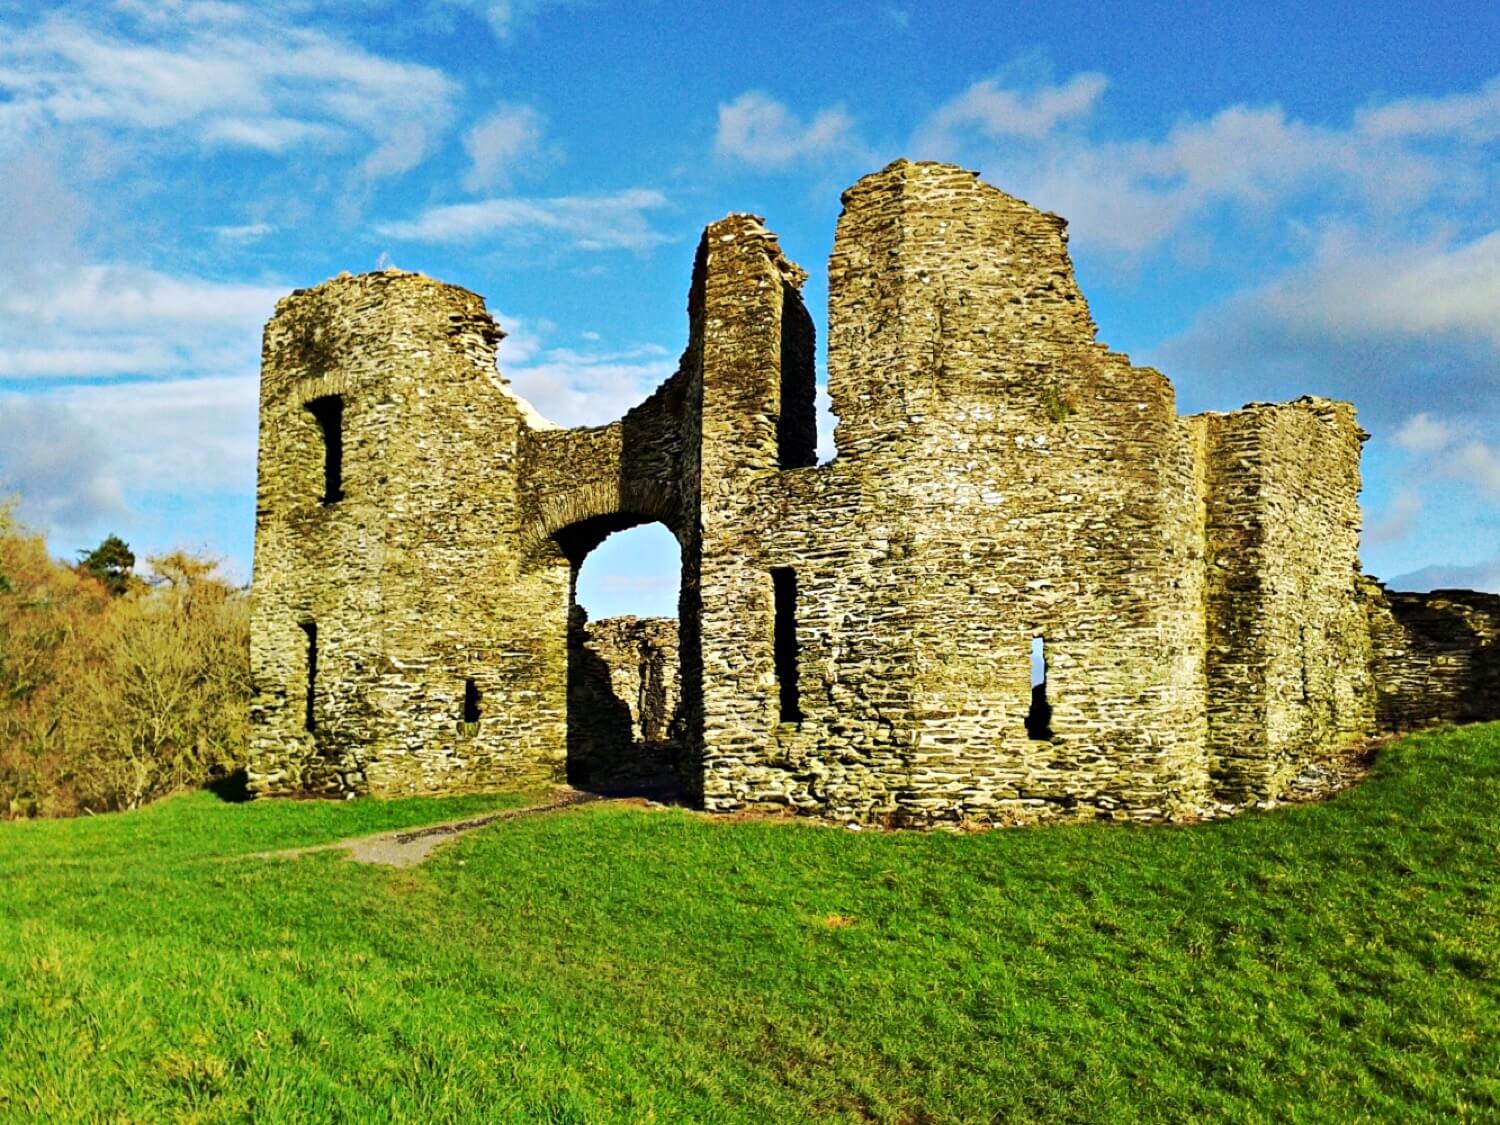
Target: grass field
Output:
{"points": [[1319, 963]]}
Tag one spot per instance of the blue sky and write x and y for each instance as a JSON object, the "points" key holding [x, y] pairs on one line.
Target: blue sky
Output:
{"points": [[1265, 200]]}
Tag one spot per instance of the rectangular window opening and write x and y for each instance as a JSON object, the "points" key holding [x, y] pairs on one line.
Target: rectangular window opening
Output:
{"points": [[1039, 717], [784, 642], [310, 717], [329, 413], [471, 701]]}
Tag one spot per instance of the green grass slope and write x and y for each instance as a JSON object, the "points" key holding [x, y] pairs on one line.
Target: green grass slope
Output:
{"points": [[1320, 963]]}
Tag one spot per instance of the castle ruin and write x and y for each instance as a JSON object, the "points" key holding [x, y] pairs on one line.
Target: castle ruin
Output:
{"points": [[856, 638]]}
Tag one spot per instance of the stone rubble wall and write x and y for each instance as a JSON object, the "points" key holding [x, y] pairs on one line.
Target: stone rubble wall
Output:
{"points": [[624, 696], [1437, 656], [413, 578], [1288, 651], [1001, 477]]}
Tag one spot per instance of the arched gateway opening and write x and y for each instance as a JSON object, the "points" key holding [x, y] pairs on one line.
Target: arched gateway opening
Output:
{"points": [[627, 727]]}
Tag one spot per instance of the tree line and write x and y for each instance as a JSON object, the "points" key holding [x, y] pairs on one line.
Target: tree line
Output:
{"points": [[115, 687]]}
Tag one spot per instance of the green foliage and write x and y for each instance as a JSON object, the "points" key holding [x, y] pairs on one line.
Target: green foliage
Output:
{"points": [[1057, 406], [110, 563], [610, 963], [111, 699]]}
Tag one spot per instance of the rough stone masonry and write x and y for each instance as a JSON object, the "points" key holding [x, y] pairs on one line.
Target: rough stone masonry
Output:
{"points": [[856, 638]]}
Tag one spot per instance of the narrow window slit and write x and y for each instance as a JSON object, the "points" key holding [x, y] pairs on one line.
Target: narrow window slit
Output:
{"points": [[784, 642], [796, 421], [1039, 717], [310, 717], [329, 413], [471, 701]]}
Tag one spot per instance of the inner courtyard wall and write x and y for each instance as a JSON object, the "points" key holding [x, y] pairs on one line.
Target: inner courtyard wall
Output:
{"points": [[1437, 656]]}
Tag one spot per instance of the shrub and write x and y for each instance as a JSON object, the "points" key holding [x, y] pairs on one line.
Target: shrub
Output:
{"points": [[110, 701]]}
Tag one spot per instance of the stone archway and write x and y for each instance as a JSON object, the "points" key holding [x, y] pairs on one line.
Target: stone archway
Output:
{"points": [[626, 733]]}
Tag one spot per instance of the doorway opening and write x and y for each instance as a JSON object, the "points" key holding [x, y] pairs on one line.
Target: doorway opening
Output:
{"points": [[625, 726]]}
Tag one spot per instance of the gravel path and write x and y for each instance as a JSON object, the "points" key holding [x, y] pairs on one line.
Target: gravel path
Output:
{"points": [[408, 847]]}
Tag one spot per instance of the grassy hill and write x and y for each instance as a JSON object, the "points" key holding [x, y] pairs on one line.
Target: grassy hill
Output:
{"points": [[1319, 963]]}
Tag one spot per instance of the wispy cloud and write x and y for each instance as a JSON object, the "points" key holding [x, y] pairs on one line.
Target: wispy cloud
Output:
{"points": [[506, 17], [506, 141], [759, 131], [1474, 117], [994, 112], [1133, 195], [247, 232], [223, 75], [101, 320], [578, 386], [616, 221]]}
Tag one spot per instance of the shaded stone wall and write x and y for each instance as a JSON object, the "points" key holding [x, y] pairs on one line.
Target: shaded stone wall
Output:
{"points": [[624, 694], [1437, 656], [855, 637]]}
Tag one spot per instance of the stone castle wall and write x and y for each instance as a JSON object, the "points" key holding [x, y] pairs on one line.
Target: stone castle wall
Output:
{"points": [[856, 637], [1437, 656], [1288, 654]]}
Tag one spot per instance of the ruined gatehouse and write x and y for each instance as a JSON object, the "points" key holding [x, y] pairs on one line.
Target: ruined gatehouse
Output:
{"points": [[855, 638]]}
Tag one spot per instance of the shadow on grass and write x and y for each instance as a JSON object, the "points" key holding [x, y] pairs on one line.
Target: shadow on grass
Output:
{"points": [[232, 788]]}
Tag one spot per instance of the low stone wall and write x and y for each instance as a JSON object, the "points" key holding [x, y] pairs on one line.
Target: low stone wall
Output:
{"points": [[624, 688], [1437, 656]]}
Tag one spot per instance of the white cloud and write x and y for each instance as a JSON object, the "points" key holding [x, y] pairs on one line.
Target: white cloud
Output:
{"points": [[228, 76], [587, 222], [578, 387], [505, 17], [179, 435], [1478, 463], [1387, 325], [56, 463], [1130, 196], [1418, 291], [102, 320], [1472, 117], [87, 460], [247, 232], [572, 389], [509, 137], [1422, 433], [761, 132], [995, 112], [40, 218]]}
